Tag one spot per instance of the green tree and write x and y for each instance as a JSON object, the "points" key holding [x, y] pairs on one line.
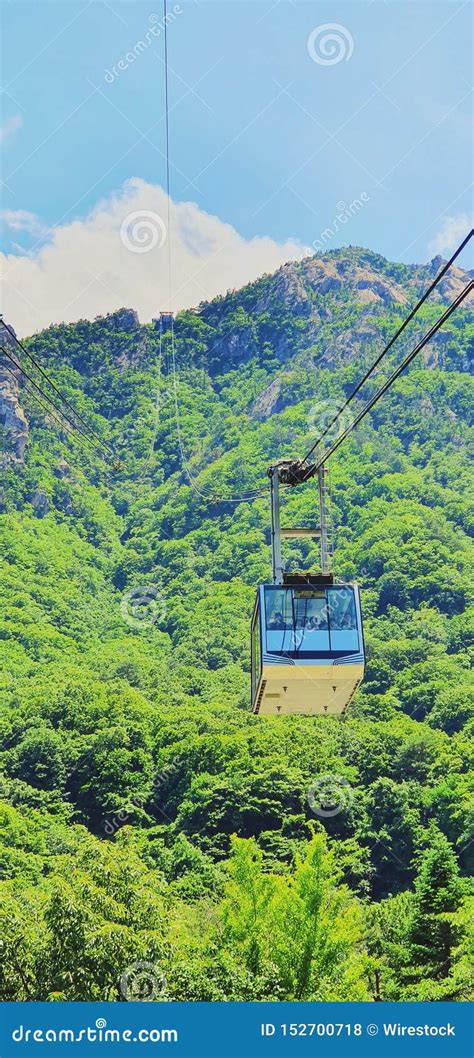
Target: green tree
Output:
{"points": [[438, 893]]}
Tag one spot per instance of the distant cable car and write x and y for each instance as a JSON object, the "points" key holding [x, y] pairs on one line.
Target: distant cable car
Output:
{"points": [[307, 645]]}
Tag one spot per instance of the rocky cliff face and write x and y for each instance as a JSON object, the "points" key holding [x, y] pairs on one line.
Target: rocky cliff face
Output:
{"points": [[360, 274], [319, 290], [13, 421]]}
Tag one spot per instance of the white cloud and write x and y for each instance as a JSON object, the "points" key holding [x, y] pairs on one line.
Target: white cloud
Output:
{"points": [[10, 126], [450, 234], [22, 220], [90, 267]]}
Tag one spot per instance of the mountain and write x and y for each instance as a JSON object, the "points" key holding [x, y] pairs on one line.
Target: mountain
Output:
{"points": [[148, 817]]}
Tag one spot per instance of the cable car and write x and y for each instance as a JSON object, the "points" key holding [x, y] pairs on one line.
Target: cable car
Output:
{"points": [[307, 644]]}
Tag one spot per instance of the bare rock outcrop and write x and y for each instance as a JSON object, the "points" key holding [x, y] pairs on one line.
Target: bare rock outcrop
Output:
{"points": [[62, 470], [288, 288], [41, 504], [271, 401], [124, 320], [13, 421]]}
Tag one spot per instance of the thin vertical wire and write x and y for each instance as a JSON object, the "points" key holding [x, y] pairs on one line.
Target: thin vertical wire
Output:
{"points": [[167, 135]]}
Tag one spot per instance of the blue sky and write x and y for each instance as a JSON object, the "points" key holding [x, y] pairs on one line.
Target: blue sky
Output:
{"points": [[269, 134]]}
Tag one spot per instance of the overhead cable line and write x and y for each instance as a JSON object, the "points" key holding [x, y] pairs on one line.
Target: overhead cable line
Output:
{"points": [[310, 471], [298, 471], [57, 412], [167, 144], [392, 341], [89, 429], [304, 471], [252, 494], [12, 372]]}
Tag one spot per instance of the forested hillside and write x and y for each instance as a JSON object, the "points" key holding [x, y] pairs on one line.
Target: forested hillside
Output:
{"points": [[159, 841]]}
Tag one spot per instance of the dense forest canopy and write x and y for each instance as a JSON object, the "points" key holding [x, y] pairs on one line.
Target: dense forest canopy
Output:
{"points": [[159, 841]]}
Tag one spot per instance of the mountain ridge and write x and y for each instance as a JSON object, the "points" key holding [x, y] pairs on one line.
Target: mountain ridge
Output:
{"points": [[299, 287]]}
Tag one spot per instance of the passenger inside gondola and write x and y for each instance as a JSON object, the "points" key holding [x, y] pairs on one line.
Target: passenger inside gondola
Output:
{"points": [[304, 621], [317, 622]]}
